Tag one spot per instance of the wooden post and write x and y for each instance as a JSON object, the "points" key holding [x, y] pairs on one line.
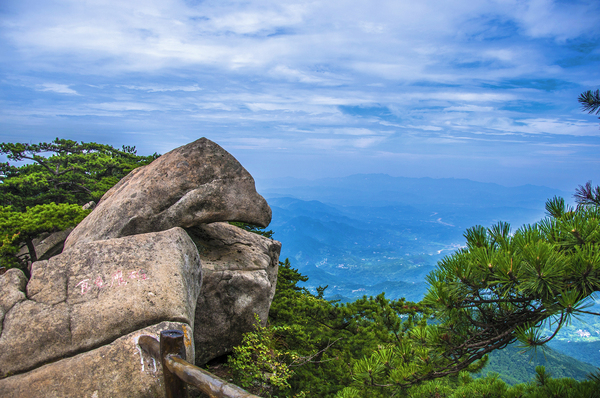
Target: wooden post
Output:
{"points": [[171, 343]]}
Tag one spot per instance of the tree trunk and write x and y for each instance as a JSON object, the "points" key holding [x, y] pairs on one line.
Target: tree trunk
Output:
{"points": [[32, 256]]}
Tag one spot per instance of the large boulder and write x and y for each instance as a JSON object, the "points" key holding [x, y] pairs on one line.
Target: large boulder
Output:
{"points": [[130, 268], [117, 369], [96, 292], [240, 274], [12, 291], [193, 184]]}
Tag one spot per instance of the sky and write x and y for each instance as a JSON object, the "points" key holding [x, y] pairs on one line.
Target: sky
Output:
{"points": [[484, 90]]}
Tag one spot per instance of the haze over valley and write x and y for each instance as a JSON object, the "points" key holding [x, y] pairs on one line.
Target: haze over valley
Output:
{"points": [[372, 233]]}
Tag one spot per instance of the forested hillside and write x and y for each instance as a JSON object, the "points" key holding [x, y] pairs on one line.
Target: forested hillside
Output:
{"points": [[315, 347], [515, 366]]}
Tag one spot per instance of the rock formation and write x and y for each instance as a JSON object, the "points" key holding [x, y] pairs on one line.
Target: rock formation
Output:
{"points": [[135, 266], [194, 184], [47, 244], [240, 274], [117, 369], [97, 292]]}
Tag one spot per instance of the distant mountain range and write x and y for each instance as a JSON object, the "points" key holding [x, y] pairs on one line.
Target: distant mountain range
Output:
{"points": [[374, 190], [369, 233], [372, 233]]}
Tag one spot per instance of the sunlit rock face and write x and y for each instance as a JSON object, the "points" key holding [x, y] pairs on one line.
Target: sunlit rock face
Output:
{"points": [[194, 184], [135, 266], [240, 275]]}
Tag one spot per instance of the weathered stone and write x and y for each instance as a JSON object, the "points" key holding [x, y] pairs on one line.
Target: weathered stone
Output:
{"points": [[72, 330], [193, 184], [118, 369], [12, 291], [48, 245], [98, 291], [240, 274]]}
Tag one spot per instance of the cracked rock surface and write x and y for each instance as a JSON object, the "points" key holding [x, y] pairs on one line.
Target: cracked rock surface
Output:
{"points": [[133, 266], [118, 369], [240, 275], [96, 292], [197, 183]]}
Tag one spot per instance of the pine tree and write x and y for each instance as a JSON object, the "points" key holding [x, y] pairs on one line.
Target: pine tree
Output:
{"points": [[505, 287], [590, 101], [46, 193], [18, 228], [63, 171]]}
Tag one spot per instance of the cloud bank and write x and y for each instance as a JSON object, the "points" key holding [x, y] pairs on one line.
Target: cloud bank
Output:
{"points": [[483, 90]]}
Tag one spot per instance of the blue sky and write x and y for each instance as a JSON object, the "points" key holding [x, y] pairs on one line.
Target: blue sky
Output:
{"points": [[485, 90]]}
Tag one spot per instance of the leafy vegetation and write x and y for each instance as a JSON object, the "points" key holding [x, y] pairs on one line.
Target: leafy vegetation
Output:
{"points": [[63, 171], [258, 362], [46, 193], [502, 288], [505, 286], [353, 350], [590, 101], [17, 228], [253, 228]]}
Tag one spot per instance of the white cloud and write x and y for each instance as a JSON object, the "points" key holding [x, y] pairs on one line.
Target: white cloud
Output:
{"points": [[372, 27], [57, 88], [282, 71], [126, 106], [163, 88], [354, 131], [426, 128], [398, 40], [341, 74], [469, 108], [561, 20], [260, 19], [366, 142], [560, 127]]}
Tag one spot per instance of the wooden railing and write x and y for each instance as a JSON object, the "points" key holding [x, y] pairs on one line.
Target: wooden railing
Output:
{"points": [[177, 372]]}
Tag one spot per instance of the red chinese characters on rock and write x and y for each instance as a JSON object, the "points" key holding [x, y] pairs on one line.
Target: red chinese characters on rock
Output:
{"points": [[117, 279]]}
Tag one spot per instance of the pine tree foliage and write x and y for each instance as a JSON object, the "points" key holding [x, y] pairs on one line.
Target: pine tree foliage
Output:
{"points": [[590, 101], [18, 228], [45, 193], [329, 338], [505, 286], [373, 349], [63, 171], [586, 195], [253, 228]]}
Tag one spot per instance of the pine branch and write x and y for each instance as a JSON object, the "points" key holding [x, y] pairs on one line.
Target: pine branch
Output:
{"points": [[590, 101]]}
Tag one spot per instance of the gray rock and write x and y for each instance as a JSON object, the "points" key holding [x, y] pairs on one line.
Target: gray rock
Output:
{"points": [[240, 274], [117, 369], [46, 245], [12, 291], [73, 329], [96, 292], [193, 184]]}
